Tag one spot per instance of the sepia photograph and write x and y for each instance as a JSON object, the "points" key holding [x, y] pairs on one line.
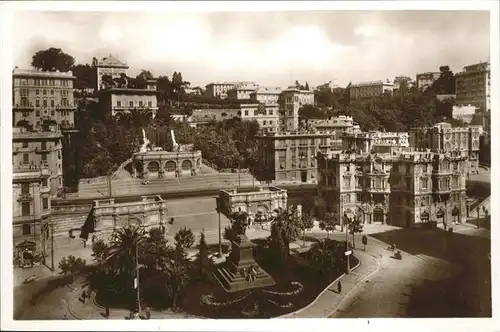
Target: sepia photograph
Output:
{"points": [[247, 164]]}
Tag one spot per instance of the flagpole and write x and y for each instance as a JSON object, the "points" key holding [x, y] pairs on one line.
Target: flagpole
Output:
{"points": [[137, 276]]}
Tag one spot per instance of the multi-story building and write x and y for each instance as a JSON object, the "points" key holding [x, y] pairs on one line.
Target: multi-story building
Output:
{"points": [[425, 80], [327, 86], [367, 90], [110, 66], [292, 99], [194, 91], [290, 156], [473, 86], [364, 142], [265, 114], [123, 100], [442, 137], [241, 91], [41, 97], [36, 149], [266, 95], [31, 211], [397, 188]]}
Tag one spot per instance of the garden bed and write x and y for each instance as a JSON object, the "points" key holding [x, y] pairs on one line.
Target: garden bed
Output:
{"points": [[298, 285]]}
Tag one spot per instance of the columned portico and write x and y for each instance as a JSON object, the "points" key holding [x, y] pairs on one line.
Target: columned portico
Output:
{"points": [[165, 164]]}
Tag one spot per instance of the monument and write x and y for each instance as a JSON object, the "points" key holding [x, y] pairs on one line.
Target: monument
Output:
{"points": [[240, 270], [152, 162]]}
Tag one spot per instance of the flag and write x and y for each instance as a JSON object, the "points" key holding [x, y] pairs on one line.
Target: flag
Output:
{"points": [[88, 226]]}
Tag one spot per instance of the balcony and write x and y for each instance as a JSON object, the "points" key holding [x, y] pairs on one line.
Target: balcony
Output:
{"points": [[25, 197], [44, 149], [374, 190], [30, 171], [23, 107], [60, 107]]}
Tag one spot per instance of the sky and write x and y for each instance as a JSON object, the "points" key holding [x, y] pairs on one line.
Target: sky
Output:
{"points": [[270, 48]]}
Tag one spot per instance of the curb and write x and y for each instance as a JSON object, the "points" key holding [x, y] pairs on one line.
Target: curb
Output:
{"points": [[320, 294]]}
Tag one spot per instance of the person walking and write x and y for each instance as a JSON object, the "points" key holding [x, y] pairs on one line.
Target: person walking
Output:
{"points": [[339, 287], [365, 241]]}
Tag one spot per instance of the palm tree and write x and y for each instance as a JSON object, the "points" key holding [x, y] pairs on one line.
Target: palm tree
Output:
{"points": [[285, 227], [324, 255]]}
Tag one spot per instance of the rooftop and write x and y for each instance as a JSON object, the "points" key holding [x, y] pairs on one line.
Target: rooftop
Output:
{"points": [[110, 61], [18, 72], [370, 83]]}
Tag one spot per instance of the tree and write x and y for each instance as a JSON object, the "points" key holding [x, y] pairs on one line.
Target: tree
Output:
{"points": [[71, 265], [355, 226], [328, 223], [306, 222], [326, 256], [100, 252], [185, 238], [284, 229], [202, 262], [52, 59], [445, 84]]}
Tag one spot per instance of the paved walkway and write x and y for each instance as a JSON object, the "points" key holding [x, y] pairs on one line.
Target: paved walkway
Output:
{"points": [[328, 301]]}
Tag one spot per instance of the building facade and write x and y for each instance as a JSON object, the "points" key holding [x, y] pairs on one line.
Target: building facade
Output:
{"points": [[123, 100], [425, 80], [291, 156], [42, 98], [32, 150], [267, 115], [364, 142], [404, 189], [260, 202], [442, 137], [472, 86], [107, 215], [218, 90], [110, 66], [292, 99], [165, 164], [30, 212], [241, 91], [266, 95], [367, 90]]}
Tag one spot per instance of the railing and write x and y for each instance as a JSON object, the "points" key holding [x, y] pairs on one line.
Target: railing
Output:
{"points": [[30, 167]]}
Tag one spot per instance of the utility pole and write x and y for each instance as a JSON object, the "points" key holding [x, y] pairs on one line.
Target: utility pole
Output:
{"points": [[220, 234], [137, 276], [52, 246], [348, 270]]}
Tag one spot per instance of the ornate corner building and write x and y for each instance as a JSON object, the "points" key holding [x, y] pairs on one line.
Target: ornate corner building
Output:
{"points": [[397, 188]]}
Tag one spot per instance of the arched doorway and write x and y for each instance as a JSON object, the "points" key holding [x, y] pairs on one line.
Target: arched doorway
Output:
{"points": [[440, 217], [378, 215], [153, 167], [170, 166], [187, 165], [455, 213]]}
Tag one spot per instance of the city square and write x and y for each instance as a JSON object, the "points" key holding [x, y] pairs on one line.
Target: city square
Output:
{"points": [[139, 195]]}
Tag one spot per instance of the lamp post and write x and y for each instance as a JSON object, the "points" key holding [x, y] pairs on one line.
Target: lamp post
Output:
{"points": [[220, 235], [347, 251]]}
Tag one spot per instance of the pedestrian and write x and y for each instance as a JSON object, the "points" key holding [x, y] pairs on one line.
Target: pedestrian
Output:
{"points": [[106, 312], [365, 242], [339, 287]]}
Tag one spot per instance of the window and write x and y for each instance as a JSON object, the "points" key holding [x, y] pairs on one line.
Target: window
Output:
{"points": [[37, 102], [25, 188], [26, 229], [45, 183], [25, 144], [37, 92], [45, 103], [44, 157], [246, 113], [44, 92], [118, 103], [26, 158], [358, 197], [347, 182], [59, 155], [26, 211], [52, 113], [131, 103], [45, 203], [52, 91], [140, 103], [24, 101], [150, 103], [270, 112]]}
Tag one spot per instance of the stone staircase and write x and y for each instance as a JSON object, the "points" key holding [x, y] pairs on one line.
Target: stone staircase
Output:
{"points": [[232, 280]]}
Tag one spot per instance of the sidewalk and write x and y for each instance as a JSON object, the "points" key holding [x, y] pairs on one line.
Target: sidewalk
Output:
{"points": [[328, 301], [91, 310]]}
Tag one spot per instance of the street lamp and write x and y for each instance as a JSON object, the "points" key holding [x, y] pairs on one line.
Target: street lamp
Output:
{"points": [[347, 251], [220, 235]]}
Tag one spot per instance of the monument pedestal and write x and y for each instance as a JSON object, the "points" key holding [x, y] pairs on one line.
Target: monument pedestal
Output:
{"points": [[233, 275]]}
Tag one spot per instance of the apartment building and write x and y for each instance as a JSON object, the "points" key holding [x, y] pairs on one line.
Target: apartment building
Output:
{"points": [[194, 91], [425, 80], [123, 100], [442, 137], [42, 98], [364, 142], [266, 95], [291, 100], [290, 156], [241, 91], [473, 86], [110, 66], [399, 188], [367, 90], [267, 115], [31, 211]]}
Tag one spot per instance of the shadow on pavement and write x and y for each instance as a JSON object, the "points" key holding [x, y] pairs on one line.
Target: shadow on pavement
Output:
{"points": [[467, 293]]}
